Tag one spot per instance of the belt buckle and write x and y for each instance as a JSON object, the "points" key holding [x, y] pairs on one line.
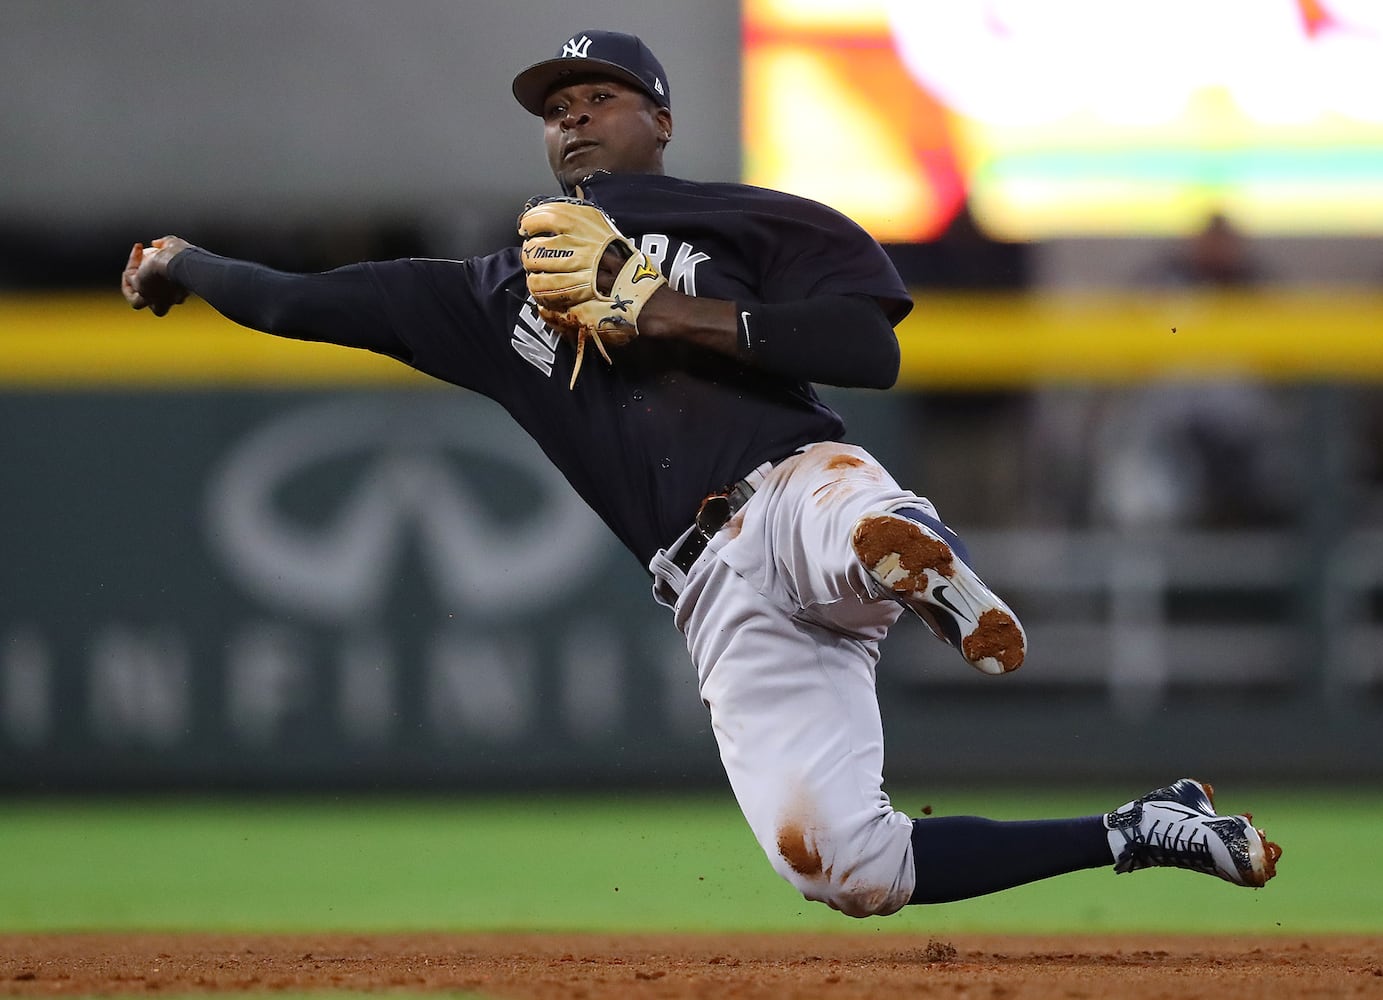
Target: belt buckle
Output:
{"points": [[712, 515]]}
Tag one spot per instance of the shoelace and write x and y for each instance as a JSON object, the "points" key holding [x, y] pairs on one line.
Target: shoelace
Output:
{"points": [[1167, 844]]}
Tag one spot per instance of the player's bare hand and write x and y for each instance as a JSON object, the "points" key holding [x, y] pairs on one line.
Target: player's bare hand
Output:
{"points": [[611, 261], [145, 282]]}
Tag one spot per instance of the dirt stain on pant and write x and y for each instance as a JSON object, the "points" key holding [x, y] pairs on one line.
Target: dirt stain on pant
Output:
{"points": [[801, 857], [847, 468]]}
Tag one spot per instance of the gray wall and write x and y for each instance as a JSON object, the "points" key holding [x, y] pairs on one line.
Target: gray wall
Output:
{"points": [[274, 109], [151, 116]]}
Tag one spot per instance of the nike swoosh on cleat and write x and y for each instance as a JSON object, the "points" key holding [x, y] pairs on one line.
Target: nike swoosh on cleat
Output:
{"points": [[939, 595]]}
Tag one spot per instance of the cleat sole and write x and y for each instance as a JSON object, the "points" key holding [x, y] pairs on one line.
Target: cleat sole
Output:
{"points": [[919, 569]]}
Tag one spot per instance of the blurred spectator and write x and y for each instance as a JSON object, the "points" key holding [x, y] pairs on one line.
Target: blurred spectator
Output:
{"points": [[1219, 256], [1208, 454], [1367, 455]]}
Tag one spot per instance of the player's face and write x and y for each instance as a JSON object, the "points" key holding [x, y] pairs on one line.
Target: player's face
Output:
{"points": [[603, 125]]}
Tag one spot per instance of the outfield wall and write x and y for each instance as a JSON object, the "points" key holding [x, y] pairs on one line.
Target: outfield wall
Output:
{"points": [[230, 560]]}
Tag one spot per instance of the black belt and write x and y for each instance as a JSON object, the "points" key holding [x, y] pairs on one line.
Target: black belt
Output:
{"points": [[715, 510]]}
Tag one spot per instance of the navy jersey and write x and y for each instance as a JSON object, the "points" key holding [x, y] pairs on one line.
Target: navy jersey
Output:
{"points": [[645, 439]]}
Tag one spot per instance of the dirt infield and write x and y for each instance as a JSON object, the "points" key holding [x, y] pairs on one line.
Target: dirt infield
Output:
{"points": [[817, 966]]}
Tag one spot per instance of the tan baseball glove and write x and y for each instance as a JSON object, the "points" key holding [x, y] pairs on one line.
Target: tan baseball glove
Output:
{"points": [[564, 241]]}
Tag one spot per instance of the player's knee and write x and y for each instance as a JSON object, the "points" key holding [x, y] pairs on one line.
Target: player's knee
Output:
{"points": [[853, 896], [863, 899], [869, 880]]}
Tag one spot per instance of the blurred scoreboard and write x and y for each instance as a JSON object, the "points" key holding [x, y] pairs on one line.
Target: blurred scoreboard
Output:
{"points": [[1070, 117]]}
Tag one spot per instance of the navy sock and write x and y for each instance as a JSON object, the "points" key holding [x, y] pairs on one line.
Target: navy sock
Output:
{"points": [[957, 857]]}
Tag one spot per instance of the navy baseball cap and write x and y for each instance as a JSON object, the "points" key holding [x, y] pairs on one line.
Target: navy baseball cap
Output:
{"points": [[603, 53]]}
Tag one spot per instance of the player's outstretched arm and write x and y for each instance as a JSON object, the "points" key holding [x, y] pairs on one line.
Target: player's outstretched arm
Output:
{"points": [[341, 306]]}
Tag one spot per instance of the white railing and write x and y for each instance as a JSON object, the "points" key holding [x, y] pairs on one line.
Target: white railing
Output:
{"points": [[1141, 612]]}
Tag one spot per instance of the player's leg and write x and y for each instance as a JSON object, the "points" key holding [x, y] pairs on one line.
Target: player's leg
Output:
{"points": [[796, 719], [804, 514], [786, 647], [844, 534], [957, 857], [1174, 827], [786, 662], [797, 723]]}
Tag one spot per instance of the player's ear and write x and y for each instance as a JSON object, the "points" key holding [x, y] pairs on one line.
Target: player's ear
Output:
{"points": [[664, 118]]}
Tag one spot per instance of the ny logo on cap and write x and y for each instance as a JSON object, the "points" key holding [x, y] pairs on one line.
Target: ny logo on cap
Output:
{"points": [[577, 48]]}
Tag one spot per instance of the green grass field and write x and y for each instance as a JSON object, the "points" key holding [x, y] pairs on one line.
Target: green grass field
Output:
{"points": [[615, 863]]}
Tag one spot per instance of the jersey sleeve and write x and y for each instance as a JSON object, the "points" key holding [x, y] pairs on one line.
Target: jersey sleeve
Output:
{"points": [[446, 318], [341, 306], [451, 316]]}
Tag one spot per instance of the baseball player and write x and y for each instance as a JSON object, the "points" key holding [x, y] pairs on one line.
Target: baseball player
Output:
{"points": [[659, 339]]}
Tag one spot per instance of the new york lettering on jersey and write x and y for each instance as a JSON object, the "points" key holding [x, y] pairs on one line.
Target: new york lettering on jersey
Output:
{"points": [[719, 239], [536, 343]]}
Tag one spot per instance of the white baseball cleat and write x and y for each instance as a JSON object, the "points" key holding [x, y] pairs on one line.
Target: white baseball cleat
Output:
{"points": [[920, 562], [1176, 827]]}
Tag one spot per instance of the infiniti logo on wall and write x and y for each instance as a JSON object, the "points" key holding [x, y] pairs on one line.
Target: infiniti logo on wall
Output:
{"points": [[314, 512]]}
